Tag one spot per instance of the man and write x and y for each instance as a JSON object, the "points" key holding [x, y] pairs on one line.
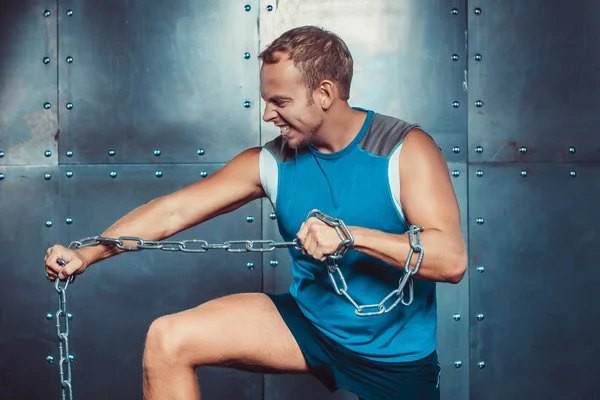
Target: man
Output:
{"points": [[376, 173]]}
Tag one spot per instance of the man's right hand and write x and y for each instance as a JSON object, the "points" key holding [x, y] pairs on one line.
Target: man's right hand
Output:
{"points": [[76, 263]]}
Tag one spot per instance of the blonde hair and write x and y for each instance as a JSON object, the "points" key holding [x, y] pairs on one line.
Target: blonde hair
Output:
{"points": [[318, 54]]}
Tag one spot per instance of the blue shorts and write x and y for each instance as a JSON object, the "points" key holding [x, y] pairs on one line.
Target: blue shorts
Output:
{"points": [[339, 368]]}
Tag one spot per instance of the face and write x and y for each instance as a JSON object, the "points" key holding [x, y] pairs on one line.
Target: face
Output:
{"points": [[287, 103]]}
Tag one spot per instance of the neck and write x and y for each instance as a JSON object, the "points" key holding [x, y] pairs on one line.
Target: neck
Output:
{"points": [[339, 128]]}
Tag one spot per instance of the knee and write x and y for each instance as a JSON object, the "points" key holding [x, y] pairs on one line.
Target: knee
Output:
{"points": [[162, 344]]}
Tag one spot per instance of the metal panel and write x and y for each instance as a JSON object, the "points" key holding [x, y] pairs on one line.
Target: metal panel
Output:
{"points": [[115, 301], [403, 58], [27, 202], [537, 79], [536, 295], [27, 82], [155, 72], [453, 311]]}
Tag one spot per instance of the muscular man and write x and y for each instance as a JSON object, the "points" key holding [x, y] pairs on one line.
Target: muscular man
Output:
{"points": [[378, 174]]}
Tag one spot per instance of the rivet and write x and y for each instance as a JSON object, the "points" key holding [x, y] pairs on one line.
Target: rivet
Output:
{"points": [[456, 317], [69, 220], [157, 153], [47, 177], [479, 173], [479, 221], [111, 153], [200, 152], [69, 153], [272, 215], [573, 174], [478, 103], [481, 269], [248, 8], [523, 150], [70, 316], [69, 174], [69, 106], [1, 154], [456, 149], [69, 60], [247, 104], [454, 57], [456, 174], [269, 8], [49, 316], [524, 173], [50, 359], [250, 265], [69, 13], [479, 149], [1, 177], [71, 357], [48, 224], [250, 218], [454, 11], [48, 153], [247, 56], [481, 365], [572, 150], [47, 106], [46, 60], [479, 317], [46, 13], [455, 104], [113, 174], [457, 364], [274, 263], [204, 174], [478, 57], [478, 11], [158, 174]]}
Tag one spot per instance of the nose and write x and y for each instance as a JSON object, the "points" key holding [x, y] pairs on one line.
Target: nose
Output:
{"points": [[269, 114]]}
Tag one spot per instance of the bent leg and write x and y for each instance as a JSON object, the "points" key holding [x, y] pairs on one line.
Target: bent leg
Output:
{"points": [[243, 331]]}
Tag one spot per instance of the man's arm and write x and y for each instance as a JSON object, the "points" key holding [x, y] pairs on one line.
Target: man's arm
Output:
{"points": [[428, 200], [234, 185]]}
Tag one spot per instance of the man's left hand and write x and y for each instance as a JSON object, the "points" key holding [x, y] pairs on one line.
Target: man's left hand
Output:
{"points": [[318, 239]]}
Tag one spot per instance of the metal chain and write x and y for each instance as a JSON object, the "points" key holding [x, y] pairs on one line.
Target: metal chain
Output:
{"points": [[346, 243], [233, 246]]}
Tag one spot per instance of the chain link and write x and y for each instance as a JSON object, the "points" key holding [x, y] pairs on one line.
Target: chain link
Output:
{"points": [[237, 246]]}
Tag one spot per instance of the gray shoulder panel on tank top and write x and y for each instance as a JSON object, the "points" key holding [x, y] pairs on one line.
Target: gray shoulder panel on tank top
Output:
{"points": [[384, 134], [280, 149]]}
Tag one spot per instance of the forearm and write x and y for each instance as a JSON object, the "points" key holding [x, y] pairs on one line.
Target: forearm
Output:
{"points": [[150, 221], [444, 258]]}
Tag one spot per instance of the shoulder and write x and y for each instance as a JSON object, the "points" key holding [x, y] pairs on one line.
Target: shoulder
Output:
{"points": [[386, 133]]}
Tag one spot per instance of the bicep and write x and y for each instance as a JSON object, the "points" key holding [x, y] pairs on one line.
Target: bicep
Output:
{"points": [[426, 190], [229, 188]]}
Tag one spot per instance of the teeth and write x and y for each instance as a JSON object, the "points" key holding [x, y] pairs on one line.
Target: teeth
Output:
{"points": [[284, 129]]}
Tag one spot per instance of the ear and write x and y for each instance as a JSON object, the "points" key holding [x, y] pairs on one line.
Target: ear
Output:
{"points": [[325, 94]]}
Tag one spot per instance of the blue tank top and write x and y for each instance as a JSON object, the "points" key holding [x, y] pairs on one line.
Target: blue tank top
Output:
{"points": [[360, 185]]}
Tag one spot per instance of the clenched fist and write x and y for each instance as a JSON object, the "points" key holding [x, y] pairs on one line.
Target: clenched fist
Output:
{"points": [[318, 239], [76, 263]]}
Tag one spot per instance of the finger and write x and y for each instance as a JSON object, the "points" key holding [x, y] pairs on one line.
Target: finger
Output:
{"points": [[306, 245], [302, 232], [51, 261], [70, 269], [51, 276]]}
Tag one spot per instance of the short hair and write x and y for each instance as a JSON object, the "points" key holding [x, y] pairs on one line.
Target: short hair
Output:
{"points": [[318, 54]]}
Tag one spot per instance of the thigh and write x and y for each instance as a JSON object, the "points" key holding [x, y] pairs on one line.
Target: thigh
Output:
{"points": [[243, 331]]}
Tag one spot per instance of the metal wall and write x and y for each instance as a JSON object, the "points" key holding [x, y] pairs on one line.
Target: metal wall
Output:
{"points": [[138, 99]]}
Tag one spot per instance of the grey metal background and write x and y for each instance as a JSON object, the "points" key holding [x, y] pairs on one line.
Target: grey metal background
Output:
{"points": [[174, 77]]}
